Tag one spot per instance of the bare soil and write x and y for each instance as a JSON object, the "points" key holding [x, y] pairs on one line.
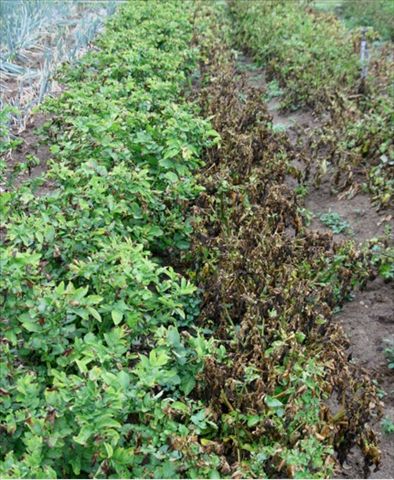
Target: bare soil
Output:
{"points": [[368, 320], [364, 220]]}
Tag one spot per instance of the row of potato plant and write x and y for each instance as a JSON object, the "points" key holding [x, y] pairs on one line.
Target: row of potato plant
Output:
{"points": [[285, 399], [316, 61], [97, 368]]}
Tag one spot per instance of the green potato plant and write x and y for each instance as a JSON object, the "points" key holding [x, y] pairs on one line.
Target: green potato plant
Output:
{"points": [[97, 371]]}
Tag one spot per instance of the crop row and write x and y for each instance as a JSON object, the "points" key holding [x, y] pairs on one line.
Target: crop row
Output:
{"points": [[35, 37], [317, 63], [94, 363], [270, 289]]}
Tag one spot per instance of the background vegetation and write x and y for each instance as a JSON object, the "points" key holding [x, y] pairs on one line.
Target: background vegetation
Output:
{"points": [[378, 14], [316, 61]]}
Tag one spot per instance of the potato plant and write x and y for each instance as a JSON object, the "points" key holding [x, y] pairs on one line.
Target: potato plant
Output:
{"points": [[270, 289], [97, 370], [316, 61]]}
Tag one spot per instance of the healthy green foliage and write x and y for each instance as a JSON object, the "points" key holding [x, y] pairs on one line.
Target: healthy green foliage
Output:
{"points": [[7, 142], [383, 259], [96, 369], [273, 90], [389, 352], [387, 426]]}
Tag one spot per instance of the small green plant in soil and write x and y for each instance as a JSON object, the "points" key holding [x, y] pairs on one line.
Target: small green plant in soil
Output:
{"points": [[302, 190], [389, 352], [387, 426], [379, 390], [383, 258], [243, 66], [335, 222], [7, 142], [307, 215], [273, 90], [279, 127]]}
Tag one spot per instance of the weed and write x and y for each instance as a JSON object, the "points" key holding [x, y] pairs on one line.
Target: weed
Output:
{"points": [[307, 215], [273, 90], [383, 259], [389, 352], [335, 222], [279, 128], [379, 390], [387, 426], [302, 191], [7, 140]]}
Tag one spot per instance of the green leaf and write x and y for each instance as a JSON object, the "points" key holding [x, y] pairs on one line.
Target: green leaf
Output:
{"points": [[109, 449], [82, 363], [199, 418], [182, 244], [94, 313], [124, 379], [39, 237], [273, 402], [187, 384], [28, 323], [300, 336], [106, 421], [54, 149], [155, 231], [180, 406], [117, 316], [173, 337], [253, 420], [84, 434], [94, 299], [75, 463], [158, 358], [171, 176]]}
